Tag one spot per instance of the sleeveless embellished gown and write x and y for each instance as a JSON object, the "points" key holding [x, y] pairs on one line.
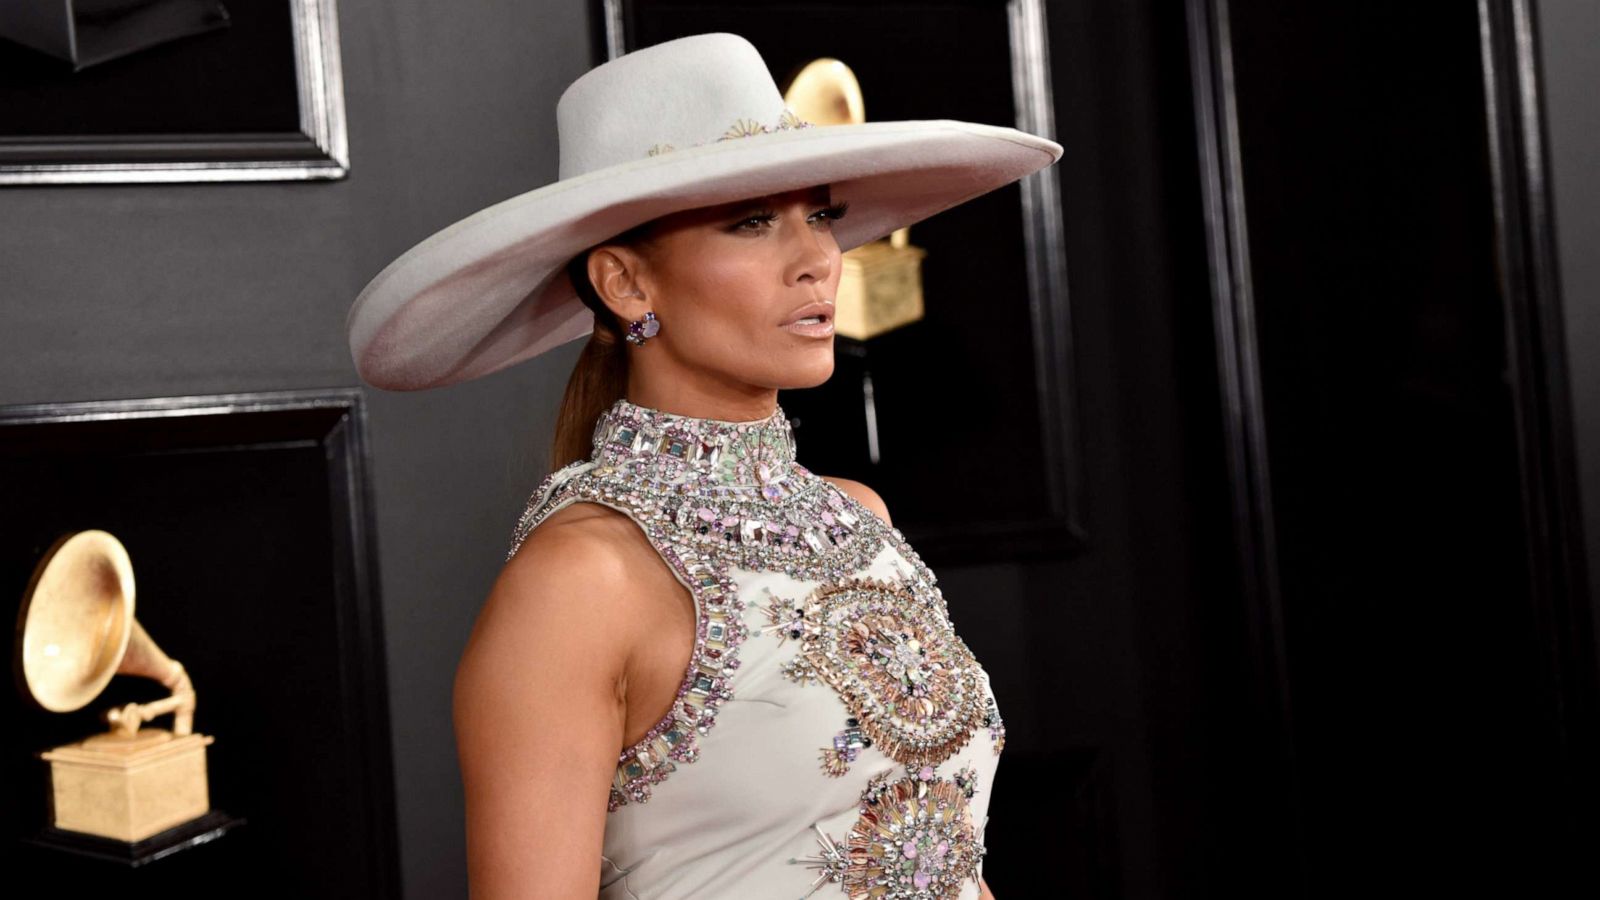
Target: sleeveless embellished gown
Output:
{"points": [[832, 735]]}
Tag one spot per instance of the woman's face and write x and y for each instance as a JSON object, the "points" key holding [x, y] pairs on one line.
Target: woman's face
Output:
{"points": [[723, 281]]}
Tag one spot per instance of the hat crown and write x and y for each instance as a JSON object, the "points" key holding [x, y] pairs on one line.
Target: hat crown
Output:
{"points": [[672, 95]]}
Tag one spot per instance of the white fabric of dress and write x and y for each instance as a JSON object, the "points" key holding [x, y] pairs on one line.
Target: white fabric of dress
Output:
{"points": [[832, 735]]}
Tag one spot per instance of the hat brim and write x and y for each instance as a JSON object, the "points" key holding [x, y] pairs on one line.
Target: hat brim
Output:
{"points": [[491, 290]]}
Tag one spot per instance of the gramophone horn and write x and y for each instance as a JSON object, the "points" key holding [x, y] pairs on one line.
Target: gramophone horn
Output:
{"points": [[825, 92], [76, 620], [78, 630]]}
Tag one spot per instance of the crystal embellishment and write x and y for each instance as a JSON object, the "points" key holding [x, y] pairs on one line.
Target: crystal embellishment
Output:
{"points": [[896, 662], [847, 745], [913, 840]]}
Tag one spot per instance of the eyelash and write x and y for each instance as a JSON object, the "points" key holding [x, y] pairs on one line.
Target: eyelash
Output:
{"points": [[833, 213]]}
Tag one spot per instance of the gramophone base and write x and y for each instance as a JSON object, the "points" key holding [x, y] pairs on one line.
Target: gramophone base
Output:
{"points": [[880, 289], [208, 827], [129, 790]]}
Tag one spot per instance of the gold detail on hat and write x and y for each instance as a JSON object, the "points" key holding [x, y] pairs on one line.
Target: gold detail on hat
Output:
{"points": [[787, 121], [743, 128]]}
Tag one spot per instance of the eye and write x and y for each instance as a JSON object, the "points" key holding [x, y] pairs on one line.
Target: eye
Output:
{"points": [[835, 212], [768, 216], [765, 216]]}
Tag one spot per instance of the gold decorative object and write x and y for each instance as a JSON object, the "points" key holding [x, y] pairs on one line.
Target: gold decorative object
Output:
{"points": [[75, 631]]}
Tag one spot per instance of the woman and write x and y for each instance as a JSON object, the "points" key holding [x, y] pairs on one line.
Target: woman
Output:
{"points": [[704, 671]]}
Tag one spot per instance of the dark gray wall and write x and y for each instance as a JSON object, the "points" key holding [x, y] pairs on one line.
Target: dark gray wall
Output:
{"points": [[150, 290], [1569, 42]]}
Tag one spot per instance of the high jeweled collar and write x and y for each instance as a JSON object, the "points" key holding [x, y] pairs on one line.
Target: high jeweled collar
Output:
{"points": [[673, 448]]}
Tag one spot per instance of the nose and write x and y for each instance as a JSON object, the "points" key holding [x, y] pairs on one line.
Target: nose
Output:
{"points": [[814, 250]]}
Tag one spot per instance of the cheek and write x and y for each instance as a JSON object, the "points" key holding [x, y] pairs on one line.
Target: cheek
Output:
{"points": [[729, 276], [730, 292]]}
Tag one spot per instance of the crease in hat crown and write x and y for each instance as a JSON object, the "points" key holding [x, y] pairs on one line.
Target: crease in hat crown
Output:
{"points": [[678, 93]]}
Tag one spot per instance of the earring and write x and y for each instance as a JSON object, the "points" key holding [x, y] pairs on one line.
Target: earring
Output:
{"points": [[641, 330]]}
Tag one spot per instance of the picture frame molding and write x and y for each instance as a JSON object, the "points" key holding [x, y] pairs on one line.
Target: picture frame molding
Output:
{"points": [[319, 151], [362, 692]]}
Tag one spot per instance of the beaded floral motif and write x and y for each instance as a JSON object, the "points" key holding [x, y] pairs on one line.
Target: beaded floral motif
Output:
{"points": [[923, 580], [914, 840], [787, 121], [895, 661]]}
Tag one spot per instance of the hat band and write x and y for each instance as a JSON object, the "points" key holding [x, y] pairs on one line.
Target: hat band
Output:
{"points": [[744, 128]]}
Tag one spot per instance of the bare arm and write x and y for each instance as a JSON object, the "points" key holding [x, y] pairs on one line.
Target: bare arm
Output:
{"points": [[539, 718]]}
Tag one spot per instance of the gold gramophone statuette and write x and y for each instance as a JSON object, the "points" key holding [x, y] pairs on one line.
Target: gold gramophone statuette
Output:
{"points": [[880, 287], [75, 631]]}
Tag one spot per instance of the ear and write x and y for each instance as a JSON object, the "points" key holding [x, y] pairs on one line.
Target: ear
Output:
{"points": [[616, 273]]}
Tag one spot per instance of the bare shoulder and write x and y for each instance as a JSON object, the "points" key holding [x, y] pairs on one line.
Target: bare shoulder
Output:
{"points": [[864, 495], [578, 558], [578, 519], [563, 590], [589, 579]]}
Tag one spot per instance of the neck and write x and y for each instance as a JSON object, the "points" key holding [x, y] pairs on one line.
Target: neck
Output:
{"points": [[672, 447], [657, 382]]}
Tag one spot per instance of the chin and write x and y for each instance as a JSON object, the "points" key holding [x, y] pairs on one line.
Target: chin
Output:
{"points": [[809, 376]]}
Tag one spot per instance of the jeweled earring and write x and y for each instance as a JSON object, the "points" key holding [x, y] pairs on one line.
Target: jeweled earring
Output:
{"points": [[641, 330]]}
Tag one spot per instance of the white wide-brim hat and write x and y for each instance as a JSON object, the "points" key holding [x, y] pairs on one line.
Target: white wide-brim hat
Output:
{"points": [[691, 122]]}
